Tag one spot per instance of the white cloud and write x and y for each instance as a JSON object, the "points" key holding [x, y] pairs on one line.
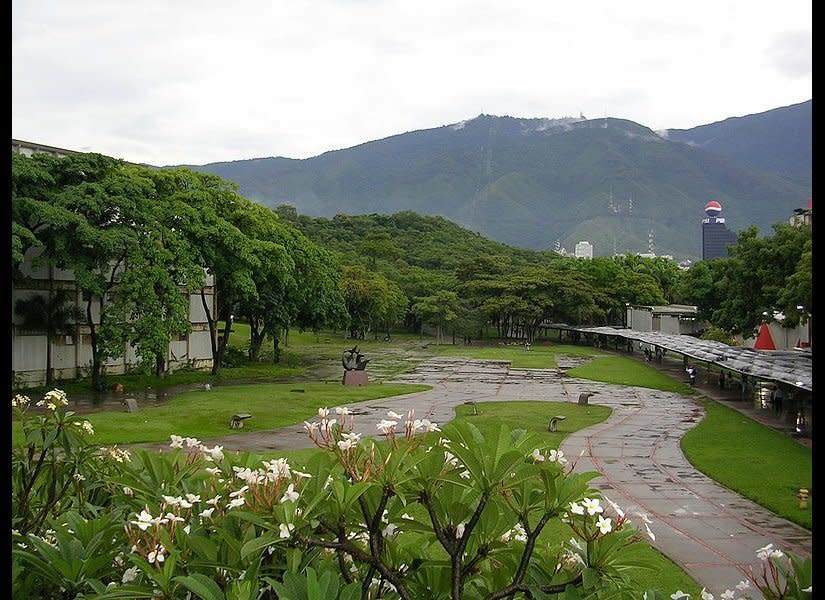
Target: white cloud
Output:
{"points": [[194, 82]]}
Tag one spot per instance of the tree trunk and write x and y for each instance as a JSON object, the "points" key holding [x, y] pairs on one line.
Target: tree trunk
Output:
{"points": [[49, 330], [223, 342], [276, 350], [256, 339], [160, 365], [97, 380]]}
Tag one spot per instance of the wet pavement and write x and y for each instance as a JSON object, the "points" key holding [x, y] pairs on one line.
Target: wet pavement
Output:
{"points": [[710, 531]]}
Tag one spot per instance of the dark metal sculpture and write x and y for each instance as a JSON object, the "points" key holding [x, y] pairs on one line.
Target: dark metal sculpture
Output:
{"points": [[354, 360]]}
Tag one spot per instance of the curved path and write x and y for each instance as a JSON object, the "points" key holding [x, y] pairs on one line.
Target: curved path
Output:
{"points": [[710, 531]]}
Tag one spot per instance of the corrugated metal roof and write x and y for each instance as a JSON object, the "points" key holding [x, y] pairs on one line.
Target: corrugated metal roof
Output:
{"points": [[792, 367]]}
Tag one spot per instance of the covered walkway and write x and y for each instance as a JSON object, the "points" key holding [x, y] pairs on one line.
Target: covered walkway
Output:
{"points": [[751, 376]]}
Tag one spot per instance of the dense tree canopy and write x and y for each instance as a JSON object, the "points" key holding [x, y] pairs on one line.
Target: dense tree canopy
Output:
{"points": [[140, 240], [761, 275]]}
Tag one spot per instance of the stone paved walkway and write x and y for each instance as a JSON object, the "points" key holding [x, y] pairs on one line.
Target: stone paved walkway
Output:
{"points": [[708, 530]]}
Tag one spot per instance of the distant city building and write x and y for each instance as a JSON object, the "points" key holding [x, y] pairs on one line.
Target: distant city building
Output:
{"points": [[802, 216], [584, 250], [676, 319], [716, 237]]}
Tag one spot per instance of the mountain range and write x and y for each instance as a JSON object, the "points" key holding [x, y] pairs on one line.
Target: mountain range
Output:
{"points": [[549, 183]]}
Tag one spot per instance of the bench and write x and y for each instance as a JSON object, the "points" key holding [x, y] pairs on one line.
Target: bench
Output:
{"points": [[130, 404], [584, 397], [554, 421], [237, 420]]}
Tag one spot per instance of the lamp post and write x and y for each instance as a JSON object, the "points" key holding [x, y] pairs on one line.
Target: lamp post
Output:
{"points": [[807, 316]]}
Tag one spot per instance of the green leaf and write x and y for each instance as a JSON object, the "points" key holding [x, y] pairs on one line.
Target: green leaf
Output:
{"points": [[203, 587], [258, 544]]}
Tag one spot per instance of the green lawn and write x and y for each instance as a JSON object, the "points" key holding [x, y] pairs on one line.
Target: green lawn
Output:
{"points": [[611, 368], [540, 356], [763, 465], [205, 414]]}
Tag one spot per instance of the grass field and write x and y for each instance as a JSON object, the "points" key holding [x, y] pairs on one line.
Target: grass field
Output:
{"points": [[205, 414], [763, 465]]}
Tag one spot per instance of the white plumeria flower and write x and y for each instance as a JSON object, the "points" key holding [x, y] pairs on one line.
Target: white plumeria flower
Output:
{"points": [[170, 517], [727, 595], [576, 508], [537, 456], [449, 458], [239, 492], [768, 552], [385, 426], [389, 530], [187, 529], [144, 520], [20, 400], [192, 442], [213, 470], [706, 595], [207, 513], [520, 533], [604, 525], [465, 474], [86, 426], [323, 413], [129, 575], [459, 531], [616, 507], [592, 506], [213, 501], [214, 453], [679, 594], [325, 426], [236, 502], [429, 426], [311, 428], [177, 441], [743, 585], [56, 397], [557, 456], [156, 555], [172, 500], [290, 495], [285, 530], [345, 445], [394, 415], [342, 410]]}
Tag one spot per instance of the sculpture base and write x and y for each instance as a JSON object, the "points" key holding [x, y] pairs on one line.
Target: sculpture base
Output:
{"points": [[355, 378]]}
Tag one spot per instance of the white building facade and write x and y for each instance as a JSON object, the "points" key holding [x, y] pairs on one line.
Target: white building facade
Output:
{"points": [[584, 249], [71, 350]]}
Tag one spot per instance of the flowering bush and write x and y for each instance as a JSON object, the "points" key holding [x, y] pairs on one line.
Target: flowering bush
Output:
{"points": [[426, 512]]}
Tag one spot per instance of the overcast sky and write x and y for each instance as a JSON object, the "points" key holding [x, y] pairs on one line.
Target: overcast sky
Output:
{"points": [[196, 81]]}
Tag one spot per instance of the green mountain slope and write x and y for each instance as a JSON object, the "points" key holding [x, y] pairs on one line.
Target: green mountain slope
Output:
{"points": [[778, 141], [531, 183]]}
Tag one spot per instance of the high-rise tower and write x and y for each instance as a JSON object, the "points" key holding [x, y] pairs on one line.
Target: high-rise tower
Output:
{"points": [[716, 237]]}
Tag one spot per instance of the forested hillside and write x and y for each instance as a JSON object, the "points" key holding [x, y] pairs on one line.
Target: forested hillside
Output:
{"points": [[532, 183]]}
